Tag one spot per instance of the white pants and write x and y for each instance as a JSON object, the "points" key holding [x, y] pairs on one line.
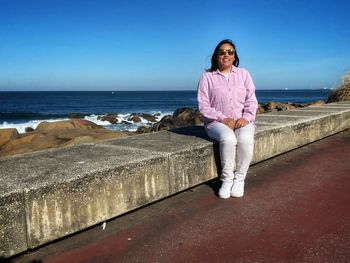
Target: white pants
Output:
{"points": [[236, 149]]}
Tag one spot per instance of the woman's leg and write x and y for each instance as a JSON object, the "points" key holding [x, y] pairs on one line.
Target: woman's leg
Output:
{"points": [[245, 148], [228, 142]]}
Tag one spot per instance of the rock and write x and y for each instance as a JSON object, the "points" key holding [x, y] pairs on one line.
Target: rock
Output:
{"points": [[260, 109], [149, 117], [184, 113], [182, 117], [198, 118], [58, 134], [46, 126], [143, 129], [111, 120], [76, 115], [270, 106], [29, 143], [112, 114], [110, 117], [316, 103], [80, 140], [7, 135], [290, 106], [134, 118], [282, 106], [166, 123], [125, 122], [28, 129], [64, 125], [276, 106]]}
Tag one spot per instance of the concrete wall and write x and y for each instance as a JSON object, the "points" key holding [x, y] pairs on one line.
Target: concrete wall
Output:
{"points": [[47, 195]]}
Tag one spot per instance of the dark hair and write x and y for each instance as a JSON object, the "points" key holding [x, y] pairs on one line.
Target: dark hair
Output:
{"points": [[214, 57]]}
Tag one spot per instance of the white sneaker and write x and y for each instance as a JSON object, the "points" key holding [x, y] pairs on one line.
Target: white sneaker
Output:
{"points": [[237, 188], [225, 189]]}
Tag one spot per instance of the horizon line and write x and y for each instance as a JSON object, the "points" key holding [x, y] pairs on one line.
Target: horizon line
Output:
{"points": [[150, 90]]}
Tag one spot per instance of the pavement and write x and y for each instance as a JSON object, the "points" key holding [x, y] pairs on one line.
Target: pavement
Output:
{"points": [[296, 208]]}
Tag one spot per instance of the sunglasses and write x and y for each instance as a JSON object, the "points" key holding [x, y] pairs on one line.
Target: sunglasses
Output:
{"points": [[222, 52]]}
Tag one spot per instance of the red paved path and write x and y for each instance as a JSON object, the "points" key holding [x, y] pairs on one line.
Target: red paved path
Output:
{"points": [[296, 209]]}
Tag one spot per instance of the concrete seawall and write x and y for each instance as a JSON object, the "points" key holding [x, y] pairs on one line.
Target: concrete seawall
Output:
{"points": [[47, 195]]}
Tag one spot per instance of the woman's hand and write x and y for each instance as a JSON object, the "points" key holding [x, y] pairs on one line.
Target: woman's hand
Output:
{"points": [[240, 123], [229, 122]]}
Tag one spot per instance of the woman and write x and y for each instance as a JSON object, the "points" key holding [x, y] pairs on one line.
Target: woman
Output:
{"points": [[226, 98]]}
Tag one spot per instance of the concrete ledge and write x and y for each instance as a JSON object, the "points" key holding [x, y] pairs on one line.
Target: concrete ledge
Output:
{"points": [[184, 153], [49, 194], [13, 237]]}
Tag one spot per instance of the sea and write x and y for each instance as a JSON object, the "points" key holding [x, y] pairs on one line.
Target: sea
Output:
{"points": [[21, 109]]}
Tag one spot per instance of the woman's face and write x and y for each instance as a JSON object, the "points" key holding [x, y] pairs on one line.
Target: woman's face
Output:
{"points": [[226, 57]]}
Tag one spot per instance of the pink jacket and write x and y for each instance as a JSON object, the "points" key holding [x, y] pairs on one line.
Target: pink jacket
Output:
{"points": [[233, 97]]}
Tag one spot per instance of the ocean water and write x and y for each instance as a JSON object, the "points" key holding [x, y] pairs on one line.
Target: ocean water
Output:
{"points": [[27, 109]]}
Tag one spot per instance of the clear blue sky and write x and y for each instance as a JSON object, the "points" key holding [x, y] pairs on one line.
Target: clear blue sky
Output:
{"points": [[166, 45]]}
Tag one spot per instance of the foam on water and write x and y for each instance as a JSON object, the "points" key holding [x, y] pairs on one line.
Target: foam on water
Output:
{"points": [[23, 125], [123, 123]]}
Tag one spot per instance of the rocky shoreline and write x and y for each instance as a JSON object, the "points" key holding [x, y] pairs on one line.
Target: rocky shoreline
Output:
{"points": [[77, 131]]}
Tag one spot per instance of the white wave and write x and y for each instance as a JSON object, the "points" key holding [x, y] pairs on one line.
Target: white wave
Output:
{"points": [[94, 118], [22, 126], [123, 123]]}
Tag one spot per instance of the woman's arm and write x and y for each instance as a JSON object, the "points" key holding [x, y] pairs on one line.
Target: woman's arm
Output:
{"points": [[251, 103], [204, 101]]}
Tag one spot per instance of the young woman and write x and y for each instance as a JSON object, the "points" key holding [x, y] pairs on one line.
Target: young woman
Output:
{"points": [[226, 98]]}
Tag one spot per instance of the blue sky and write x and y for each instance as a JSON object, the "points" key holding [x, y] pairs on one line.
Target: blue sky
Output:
{"points": [[166, 45]]}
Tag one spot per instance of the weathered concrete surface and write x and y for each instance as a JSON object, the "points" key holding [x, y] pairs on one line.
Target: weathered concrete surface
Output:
{"points": [[295, 209], [184, 153], [67, 190], [63, 191], [12, 223], [280, 139]]}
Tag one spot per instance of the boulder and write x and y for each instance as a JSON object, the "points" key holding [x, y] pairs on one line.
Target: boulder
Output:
{"points": [[47, 126], [80, 140], [28, 129], [276, 106], [76, 115], [66, 125], [290, 106], [143, 129], [184, 114], [111, 117], [260, 109], [112, 114], [198, 118], [125, 122], [182, 117], [317, 103], [111, 120], [166, 123], [149, 117], [7, 135], [270, 106], [29, 143], [58, 134], [282, 106], [134, 118]]}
